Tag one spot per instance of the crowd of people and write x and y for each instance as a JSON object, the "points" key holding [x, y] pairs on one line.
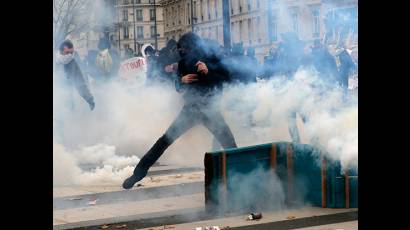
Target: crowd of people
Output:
{"points": [[199, 69]]}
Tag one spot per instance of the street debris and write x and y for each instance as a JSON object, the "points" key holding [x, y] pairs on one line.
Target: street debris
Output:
{"points": [[290, 217], [208, 228], [75, 198], [93, 202], [121, 226], [139, 185], [177, 176], [105, 226], [193, 177], [156, 228], [169, 226], [226, 228], [254, 216]]}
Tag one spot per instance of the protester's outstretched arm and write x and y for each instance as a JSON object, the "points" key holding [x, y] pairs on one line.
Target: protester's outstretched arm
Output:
{"points": [[82, 87]]}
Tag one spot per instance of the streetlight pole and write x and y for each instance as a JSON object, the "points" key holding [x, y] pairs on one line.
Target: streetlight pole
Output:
{"points": [[192, 16], [226, 24], [119, 28], [133, 13], [155, 26]]}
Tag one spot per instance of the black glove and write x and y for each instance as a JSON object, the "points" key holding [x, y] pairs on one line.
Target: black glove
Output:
{"points": [[92, 105]]}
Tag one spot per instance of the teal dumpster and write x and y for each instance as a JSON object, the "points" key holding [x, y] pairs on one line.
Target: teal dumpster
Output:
{"points": [[303, 172]]}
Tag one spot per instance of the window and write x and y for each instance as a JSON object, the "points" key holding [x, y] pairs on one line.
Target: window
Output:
{"points": [[152, 14], [202, 10], [151, 1], [258, 23], [194, 9], [240, 6], [233, 32], [140, 32], [188, 15], [126, 2], [274, 28], [138, 1], [208, 9], [316, 23], [126, 46], [250, 30], [132, 1], [216, 8], [139, 15], [295, 24], [152, 31], [172, 11], [166, 17], [126, 32], [249, 5], [240, 30], [258, 4], [231, 7], [125, 15]]}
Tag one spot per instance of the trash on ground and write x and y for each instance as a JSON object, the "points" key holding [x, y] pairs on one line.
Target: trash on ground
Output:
{"points": [[105, 226], [139, 185], [121, 226], [290, 217], [254, 216], [75, 198], [169, 227], [93, 202]]}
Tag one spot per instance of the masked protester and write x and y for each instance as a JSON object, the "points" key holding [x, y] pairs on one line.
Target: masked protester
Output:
{"points": [[200, 76], [107, 60], [346, 65], [66, 57]]}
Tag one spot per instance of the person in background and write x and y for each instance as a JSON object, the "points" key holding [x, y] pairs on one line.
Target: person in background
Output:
{"points": [[167, 62], [73, 73], [128, 53], [346, 66], [201, 77], [250, 57], [152, 59], [324, 63], [107, 60], [270, 64], [240, 66]]}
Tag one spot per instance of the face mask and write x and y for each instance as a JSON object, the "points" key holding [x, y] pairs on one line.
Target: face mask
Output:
{"points": [[65, 59]]}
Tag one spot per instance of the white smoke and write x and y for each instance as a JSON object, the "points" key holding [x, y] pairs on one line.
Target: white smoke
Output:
{"points": [[128, 120]]}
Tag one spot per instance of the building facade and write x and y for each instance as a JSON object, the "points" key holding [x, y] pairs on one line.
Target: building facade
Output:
{"points": [[259, 23], [177, 18], [144, 17]]}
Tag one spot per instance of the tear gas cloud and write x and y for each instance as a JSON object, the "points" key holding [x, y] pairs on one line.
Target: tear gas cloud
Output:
{"points": [[129, 118], [127, 121]]}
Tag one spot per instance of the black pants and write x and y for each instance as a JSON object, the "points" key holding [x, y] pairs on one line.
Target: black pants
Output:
{"points": [[190, 116]]}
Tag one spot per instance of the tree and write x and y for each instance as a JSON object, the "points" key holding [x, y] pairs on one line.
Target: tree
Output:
{"points": [[69, 17]]}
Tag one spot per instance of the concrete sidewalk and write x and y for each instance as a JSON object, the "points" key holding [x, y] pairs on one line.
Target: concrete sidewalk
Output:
{"points": [[172, 197]]}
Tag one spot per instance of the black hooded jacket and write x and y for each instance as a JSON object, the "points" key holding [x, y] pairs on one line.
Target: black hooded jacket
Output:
{"points": [[207, 85]]}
